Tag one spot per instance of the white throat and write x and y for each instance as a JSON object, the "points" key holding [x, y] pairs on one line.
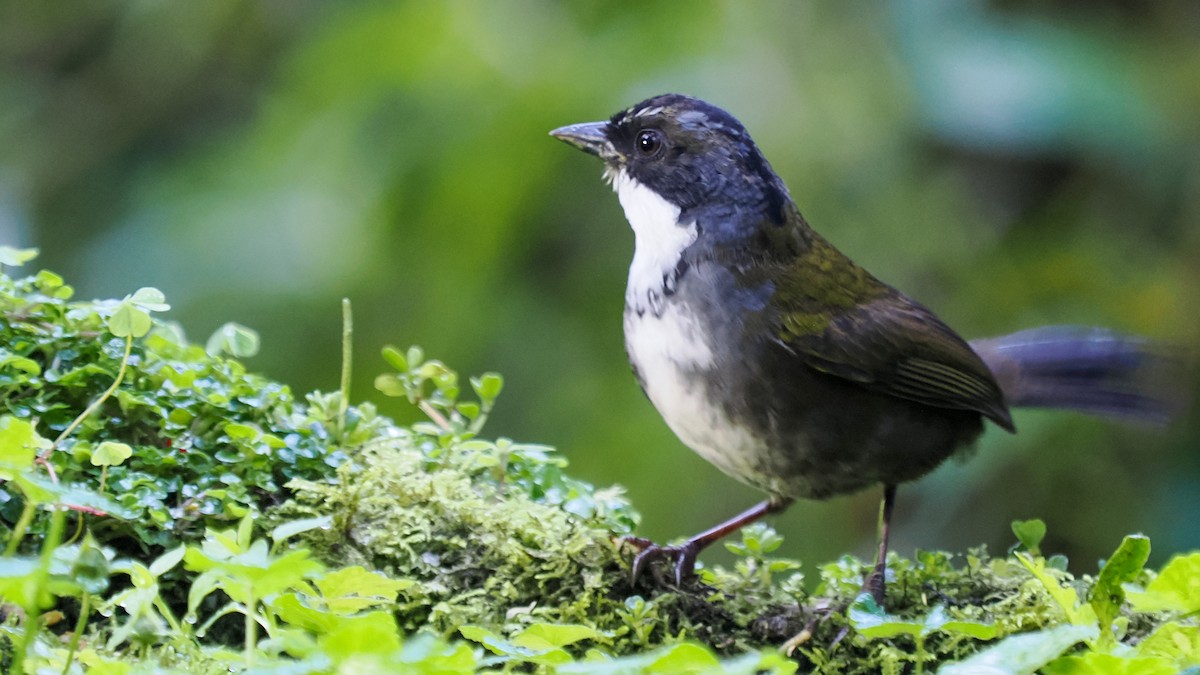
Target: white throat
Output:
{"points": [[659, 237]]}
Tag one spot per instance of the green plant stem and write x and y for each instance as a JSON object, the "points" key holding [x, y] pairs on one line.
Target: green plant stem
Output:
{"points": [[18, 531], [165, 611], [434, 415], [251, 630], [99, 401], [269, 624], [32, 610], [84, 609], [78, 530], [229, 608], [347, 360]]}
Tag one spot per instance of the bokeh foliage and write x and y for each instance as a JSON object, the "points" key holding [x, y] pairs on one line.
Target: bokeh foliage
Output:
{"points": [[1007, 163]]}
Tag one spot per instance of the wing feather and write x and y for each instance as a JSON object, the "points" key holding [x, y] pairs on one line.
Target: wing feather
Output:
{"points": [[839, 319], [895, 346]]}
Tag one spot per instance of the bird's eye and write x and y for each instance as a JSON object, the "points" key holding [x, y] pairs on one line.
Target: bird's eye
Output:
{"points": [[649, 141]]}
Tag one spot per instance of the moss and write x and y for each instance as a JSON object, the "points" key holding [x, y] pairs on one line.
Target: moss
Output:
{"points": [[489, 552], [482, 552]]}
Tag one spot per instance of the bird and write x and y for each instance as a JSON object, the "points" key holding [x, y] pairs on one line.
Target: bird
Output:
{"points": [[788, 366]]}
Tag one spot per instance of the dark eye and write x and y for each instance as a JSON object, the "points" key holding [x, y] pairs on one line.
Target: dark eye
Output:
{"points": [[649, 141]]}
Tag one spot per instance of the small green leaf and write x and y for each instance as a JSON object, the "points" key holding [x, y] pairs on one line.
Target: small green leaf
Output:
{"points": [[390, 384], [938, 621], [111, 453], [493, 642], [18, 362], [395, 359], [233, 339], [685, 657], [1175, 589], [1122, 567], [19, 443], [294, 527], [167, 561], [273, 441], [100, 665], [354, 636], [974, 629], [47, 281], [1030, 533], [1096, 663], [15, 257], [869, 619], [415, 357], [128, 320], [43, 491], [487, 387], [353, 589], [90, 568], [477, 633], [17, 584], [545, 636], [513, 652], [237, 431], [203, 585], [1175, 641], [150, 299], [1065, 596], [245, 532], [1024, 653], [296, 612], [438, 372]]}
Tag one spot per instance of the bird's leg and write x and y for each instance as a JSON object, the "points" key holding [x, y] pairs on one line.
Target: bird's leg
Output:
{"points": [[685, 554], [874, 583]]}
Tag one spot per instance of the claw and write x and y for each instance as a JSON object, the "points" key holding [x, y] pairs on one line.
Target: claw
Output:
{"points": [[684, 557], [685, 554], [640, 543]]}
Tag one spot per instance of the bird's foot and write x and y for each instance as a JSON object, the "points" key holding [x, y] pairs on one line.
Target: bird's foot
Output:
{"points": [[683, 556]]}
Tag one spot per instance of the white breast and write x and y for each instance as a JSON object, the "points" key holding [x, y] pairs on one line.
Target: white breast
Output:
{"points": [[671, 356], [667, 343]]}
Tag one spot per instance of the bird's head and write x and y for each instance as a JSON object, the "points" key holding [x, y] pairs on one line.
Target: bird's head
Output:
{"points": [[690, 153]]}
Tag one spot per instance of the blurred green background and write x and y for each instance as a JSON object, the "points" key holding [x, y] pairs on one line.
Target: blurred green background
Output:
{"points": [[1007, 163]]}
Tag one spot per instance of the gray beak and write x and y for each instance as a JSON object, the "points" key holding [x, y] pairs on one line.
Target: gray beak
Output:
{"points": [[588, 137]]}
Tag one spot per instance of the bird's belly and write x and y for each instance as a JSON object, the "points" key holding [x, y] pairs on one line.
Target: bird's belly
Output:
{"points": [[675, 363], [774, 424]]}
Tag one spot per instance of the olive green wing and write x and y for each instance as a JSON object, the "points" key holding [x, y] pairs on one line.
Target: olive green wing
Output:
{"points": [[888, 343]]}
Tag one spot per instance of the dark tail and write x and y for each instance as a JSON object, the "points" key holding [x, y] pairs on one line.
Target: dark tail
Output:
{"points": [[1093, 370]]}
